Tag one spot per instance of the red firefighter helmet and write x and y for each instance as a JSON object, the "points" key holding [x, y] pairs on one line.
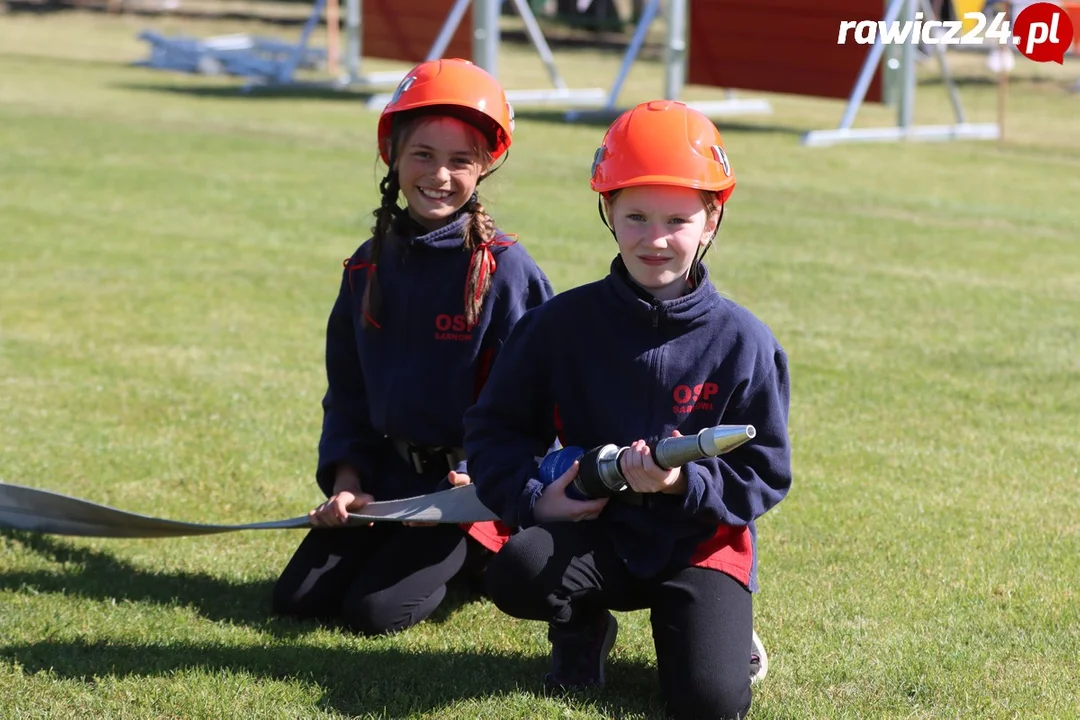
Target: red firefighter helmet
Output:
{"points": [[456, 87], [663, 142]]}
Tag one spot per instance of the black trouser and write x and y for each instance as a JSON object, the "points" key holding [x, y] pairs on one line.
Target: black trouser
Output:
{"points": [[702, 620], [375, 579]]}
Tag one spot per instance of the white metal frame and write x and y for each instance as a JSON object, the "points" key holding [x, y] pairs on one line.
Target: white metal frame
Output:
{"points": [[485, 51], [903, 130], [674, 68], [354, 18]]}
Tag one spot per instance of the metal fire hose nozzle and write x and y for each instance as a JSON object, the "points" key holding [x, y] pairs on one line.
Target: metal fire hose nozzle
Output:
{"points": [[599, 474]]}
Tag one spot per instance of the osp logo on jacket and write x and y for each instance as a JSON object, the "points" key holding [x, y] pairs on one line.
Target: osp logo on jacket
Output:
{"points": [[689, 398], [452, 327]]}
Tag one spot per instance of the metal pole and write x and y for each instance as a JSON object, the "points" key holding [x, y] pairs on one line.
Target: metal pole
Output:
{"points": [[446, 33], [632, 51], [675, 62], [870, 66], [906, 106], [946, 76], [285, 72], [352, 40], [486, 34], [537, 37], [333, 37]]}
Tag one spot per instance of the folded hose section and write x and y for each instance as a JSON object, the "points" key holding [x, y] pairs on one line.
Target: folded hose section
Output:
{"points": [[44, 511]]}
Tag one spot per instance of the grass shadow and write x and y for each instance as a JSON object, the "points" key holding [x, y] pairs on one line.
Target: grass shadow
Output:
{"points": [[596, 117], [991, 80], [734, 127], [562, 38], [96, 575], [55, 7], [396, 682], [298, 91], [100, 576]]}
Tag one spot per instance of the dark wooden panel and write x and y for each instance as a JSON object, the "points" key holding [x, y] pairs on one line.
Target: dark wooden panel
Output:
{"points": [[406, 29], [783, 46]]}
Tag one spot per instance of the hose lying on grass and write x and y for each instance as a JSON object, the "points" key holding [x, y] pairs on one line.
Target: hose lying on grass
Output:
{"points": [[25, 508]]}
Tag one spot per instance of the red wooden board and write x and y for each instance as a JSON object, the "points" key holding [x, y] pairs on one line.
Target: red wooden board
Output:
{"points": [[406, 29], [784, 46]]}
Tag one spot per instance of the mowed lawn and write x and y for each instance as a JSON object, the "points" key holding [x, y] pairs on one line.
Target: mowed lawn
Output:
{"points": [[169, 251]]}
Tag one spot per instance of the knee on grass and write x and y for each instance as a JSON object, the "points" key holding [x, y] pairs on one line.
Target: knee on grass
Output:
{"points": [[286, 601], [510, 582], [715, 700], [383, 614]]}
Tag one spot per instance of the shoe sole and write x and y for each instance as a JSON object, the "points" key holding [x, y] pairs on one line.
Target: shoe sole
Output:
{"points": [[609, 642], [757, 675]]}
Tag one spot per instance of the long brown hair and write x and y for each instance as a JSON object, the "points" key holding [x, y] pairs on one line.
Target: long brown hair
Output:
{"points": [[479, 233]]}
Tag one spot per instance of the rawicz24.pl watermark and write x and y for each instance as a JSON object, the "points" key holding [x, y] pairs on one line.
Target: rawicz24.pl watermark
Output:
{"points": [[1041, 32]]}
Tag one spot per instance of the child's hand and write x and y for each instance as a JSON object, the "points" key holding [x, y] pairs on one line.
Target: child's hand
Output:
{"points": [[641, 472], [458, 479], [335, 511], [554, 506]]}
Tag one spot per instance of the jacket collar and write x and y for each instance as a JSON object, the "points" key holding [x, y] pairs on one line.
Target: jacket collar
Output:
{"points": [[449, 237], [691, 306]]}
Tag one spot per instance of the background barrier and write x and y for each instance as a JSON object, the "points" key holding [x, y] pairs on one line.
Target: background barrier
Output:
{"points": [[783, 46]]}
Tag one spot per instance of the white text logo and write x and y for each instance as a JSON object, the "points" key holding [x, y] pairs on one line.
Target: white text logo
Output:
{"points": [[1041, 32]]}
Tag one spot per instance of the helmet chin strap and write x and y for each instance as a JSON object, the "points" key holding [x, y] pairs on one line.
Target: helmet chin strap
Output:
{"points": [[501, 161], [491, 171], [701, 258], [603, 217]]}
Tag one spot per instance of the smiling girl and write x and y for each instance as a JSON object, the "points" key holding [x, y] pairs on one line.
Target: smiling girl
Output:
{"points": [[423, 308], [651, 351]]}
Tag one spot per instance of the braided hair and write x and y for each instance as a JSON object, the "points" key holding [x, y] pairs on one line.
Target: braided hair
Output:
{"points": [[480, 234], [385, 214]]}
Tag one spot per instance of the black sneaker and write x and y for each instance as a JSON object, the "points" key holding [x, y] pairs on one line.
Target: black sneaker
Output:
{"points": [[578, 655]]}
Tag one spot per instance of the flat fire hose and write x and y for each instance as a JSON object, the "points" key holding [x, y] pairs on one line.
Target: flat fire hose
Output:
{"points": [[44, 511]]}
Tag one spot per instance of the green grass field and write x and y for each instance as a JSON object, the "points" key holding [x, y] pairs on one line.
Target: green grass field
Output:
{"points": [[169, 251]]}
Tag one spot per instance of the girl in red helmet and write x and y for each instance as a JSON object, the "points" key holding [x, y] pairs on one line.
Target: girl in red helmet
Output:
{"points": [[653, 350], [423, 308]]}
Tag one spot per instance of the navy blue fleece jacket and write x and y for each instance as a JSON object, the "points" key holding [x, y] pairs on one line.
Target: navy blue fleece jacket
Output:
{"points": [[412, 378], [607, 363]]}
